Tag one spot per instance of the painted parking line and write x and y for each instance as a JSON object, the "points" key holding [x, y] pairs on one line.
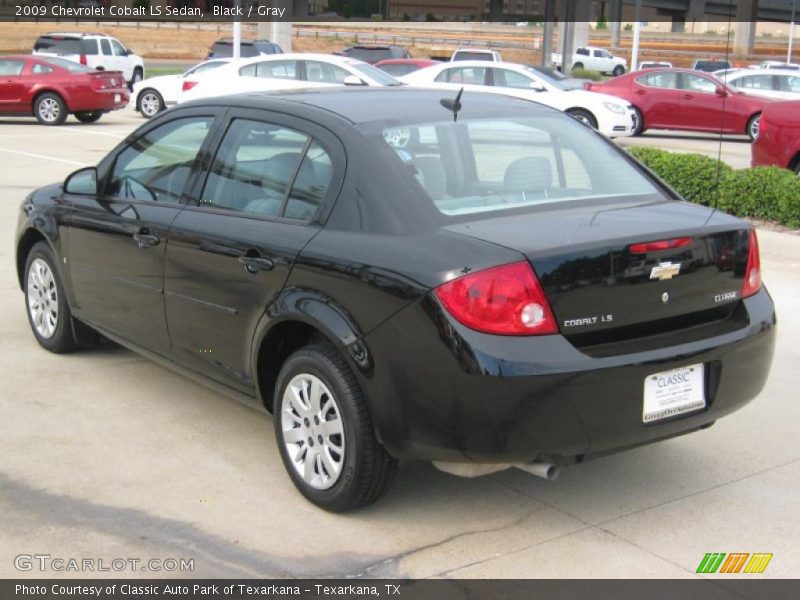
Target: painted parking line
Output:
{"points": [[42, 156]]}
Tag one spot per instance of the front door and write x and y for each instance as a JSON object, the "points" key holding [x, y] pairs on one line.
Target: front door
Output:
{"points": [[117, 241], [229, 255], [701, 107]]}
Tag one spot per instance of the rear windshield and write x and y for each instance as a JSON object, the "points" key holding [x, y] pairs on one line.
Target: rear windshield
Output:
{"points": [[369, 54], [711, 65], [60, 45], [225, 50], [496, 164], [69, 65], [376, 74]]}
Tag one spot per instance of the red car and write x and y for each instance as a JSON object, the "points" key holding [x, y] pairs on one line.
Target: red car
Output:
{"points": [[686, 100], [397, 67], [51, 88], [778, 140]]}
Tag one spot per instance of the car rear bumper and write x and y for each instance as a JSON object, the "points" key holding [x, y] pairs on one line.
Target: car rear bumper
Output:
{"points": [[439, 391], [105, 100]]}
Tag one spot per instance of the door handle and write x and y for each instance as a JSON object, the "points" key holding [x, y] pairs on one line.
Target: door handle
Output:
{"points": [[641, 92], [145, 239], [688, 96], [254, 264]]}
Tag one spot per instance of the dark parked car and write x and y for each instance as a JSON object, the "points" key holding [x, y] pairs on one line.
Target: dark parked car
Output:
{"points": [[397, 273], [686, 100], [710, 65], [51, 88], [372, 53], [247, 49], [397, 67], [778, 141]]}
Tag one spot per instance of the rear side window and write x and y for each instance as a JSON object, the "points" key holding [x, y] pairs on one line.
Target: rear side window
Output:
{"points": [[40, 69], [468, 75], [281, 69], [11, 67], [105, 46], [58, 45], [667, 80], [257, 163]]}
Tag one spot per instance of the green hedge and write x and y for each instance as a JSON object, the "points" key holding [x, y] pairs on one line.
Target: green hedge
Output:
{"points": [[768, 193], [587, 74]]}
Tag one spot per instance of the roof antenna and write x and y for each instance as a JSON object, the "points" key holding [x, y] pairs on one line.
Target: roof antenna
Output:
{"points": [[453, 105]]}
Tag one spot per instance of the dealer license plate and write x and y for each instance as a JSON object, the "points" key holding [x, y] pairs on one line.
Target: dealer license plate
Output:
{"points": [[671, 393], [117, 97]]}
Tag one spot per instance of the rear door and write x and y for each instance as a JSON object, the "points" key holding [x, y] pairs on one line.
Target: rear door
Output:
{"points": [[118, 239], [231, 251], [657, 95], [12, 89]]}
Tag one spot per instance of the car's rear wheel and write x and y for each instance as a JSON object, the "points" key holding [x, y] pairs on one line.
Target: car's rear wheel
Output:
{"points": [[48, 311], [618, 70], [88, 116], [50, 109], [584, 116], [325, 434], [752, 127], [150, 103]]}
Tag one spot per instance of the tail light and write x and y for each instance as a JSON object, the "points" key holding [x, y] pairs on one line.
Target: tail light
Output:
{"points": [[505, 300], [187, 85], [83, 60], [752, 276]]}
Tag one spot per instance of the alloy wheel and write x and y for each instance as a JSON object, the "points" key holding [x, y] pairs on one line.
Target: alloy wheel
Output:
{"points": [[49, 110], [313, 433], [754, 128], [150, 104], [42, 298]]}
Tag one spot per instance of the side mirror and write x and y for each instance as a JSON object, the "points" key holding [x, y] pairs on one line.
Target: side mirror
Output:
{"points": [[720, 91], [128, 52], [537, 87], [353, 80], [82, 182]]}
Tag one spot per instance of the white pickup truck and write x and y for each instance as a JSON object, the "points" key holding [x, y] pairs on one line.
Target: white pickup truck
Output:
{"points": [[594, 59]]}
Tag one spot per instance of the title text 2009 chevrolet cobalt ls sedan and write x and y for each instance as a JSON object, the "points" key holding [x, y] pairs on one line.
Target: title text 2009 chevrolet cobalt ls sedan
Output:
{"points": [[396, 273]]}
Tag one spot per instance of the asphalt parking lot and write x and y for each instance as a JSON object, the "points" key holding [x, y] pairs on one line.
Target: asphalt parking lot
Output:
{"points": [[106, 455]]}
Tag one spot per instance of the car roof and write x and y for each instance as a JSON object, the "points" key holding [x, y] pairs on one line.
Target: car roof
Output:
{"points": [[72, 34], [367, 104], [330, 58], [493, 64], [244, 41]]}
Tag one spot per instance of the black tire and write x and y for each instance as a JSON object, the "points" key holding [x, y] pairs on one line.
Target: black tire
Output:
{"points": [[639, 128], [137, 76], [577, 65], [62, 338], [584, 116], [149, 103], [618, 70], [86, 116], [50, 109], [752, 127], [366, 470]]}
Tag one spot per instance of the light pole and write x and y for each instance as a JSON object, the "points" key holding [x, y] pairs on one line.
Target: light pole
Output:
{"points": [[791, 35], [237, 35]]}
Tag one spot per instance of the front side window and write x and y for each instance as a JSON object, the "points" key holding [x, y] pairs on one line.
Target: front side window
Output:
{"points": [[257, 164], [11, 67], [117, 48], [324, 72], [495, 164], [697, 83], [156, 166]]}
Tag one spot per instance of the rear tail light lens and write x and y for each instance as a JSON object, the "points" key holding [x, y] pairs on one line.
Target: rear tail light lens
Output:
{"points": [[187, 85], [83, 59], [752, 276], [660, 245], [505, 300]]}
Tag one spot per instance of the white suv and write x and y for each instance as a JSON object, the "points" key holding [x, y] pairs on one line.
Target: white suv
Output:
{"points": [[97, 51]]}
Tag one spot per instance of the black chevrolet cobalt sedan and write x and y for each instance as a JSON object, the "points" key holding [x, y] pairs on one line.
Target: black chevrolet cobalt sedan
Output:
{"points": [[480, 282]]}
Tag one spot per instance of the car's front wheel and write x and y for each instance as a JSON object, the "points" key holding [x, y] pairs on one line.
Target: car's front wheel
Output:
{"points": [[638, 126], [88, 116], [50, 109], [325, 434], [618, 70], [48, 311], [150, 103], [584, 116]]}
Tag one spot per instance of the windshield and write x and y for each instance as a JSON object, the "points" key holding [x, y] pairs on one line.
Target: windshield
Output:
{"points": [[551, 73], [69, 65], [379, 76], [497, 164], [547, 78]]}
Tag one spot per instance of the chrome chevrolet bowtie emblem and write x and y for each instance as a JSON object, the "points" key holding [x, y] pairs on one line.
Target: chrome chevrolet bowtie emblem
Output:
{"points": [[665, 270], [664, 298]]}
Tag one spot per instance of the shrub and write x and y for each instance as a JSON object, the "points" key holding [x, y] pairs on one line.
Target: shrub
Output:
{"points": [[768, 193], [693, 176], [587, 74]]}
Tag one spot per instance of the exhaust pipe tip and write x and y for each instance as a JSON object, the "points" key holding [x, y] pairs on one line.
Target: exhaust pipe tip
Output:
{"points": [[545, 470]]}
